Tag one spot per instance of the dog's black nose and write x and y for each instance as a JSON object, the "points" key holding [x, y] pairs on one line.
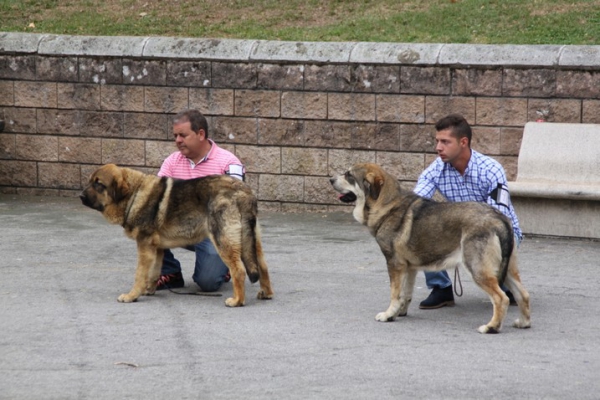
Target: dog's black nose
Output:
{"points": [[332, 179]]}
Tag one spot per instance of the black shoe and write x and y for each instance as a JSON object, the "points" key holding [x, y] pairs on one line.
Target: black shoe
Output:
{"points": [[513, 302], [170, 281], [438, 298]]}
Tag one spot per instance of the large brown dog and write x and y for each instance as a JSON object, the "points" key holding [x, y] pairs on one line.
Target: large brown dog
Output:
{"points": [[162, 213], [420, 234]]}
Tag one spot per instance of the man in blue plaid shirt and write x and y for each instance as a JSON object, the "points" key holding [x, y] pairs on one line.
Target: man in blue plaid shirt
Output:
{"points": [[461, 174]]}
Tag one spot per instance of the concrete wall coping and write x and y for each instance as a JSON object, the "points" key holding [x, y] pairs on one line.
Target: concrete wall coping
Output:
{"points": [[435, 54]]}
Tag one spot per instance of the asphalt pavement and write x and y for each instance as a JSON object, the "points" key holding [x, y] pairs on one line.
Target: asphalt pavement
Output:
{"points": [[63, 335]]}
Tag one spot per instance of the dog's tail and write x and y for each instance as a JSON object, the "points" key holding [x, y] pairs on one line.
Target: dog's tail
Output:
{"points": [[251, 244], [507, 246]]}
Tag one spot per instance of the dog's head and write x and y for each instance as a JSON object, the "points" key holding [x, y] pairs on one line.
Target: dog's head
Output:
{"points": [[106, 186], [361, 181]]}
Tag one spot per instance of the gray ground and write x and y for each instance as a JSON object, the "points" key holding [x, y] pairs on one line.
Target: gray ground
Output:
{"points": [[63, 335]]}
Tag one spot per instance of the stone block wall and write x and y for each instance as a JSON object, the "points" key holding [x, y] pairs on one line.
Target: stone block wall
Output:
{"points": [[294, 113]]}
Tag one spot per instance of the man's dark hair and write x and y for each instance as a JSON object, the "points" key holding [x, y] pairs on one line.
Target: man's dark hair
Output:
{"points": [[196, 119], [457, 124]]}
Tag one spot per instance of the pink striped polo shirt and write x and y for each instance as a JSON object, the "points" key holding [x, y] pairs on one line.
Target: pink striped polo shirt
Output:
{"points": [[218, 161]]}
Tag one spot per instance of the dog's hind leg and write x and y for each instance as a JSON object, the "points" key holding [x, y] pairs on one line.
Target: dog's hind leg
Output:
{"points": [[266, 292], [397, 278], [146, 260], [513, 283], [499, 300]]}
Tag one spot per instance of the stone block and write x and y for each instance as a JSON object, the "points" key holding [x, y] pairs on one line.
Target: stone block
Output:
{"points": [[376, 137], [8, 146], [304, 105], [376, 79], [529, 82], [400, 108], [17, 67], [212, 101], [257, 103], [477, 82], [80, 150], [188, 73], [555, 110], [59, 175], [18, 173], [62, 122], [146, 126], [328, 78], [281, 132], [19, 120], [165, 99], [234, 75], [101, 70], [417, 138], [578, 84], [395, 53], [351, 106], [440, 106], [7, 93], [122, 98], [105, 46], [281, 188], [322, 52], [590, 112], [157, 151], [260, 159], [58, 69], [78, 96], [201, 48], [486, 140], [123, 152], [280, 77], [501, 111], [329, 134], [303, 161], [510, 141], [425, 80], [35, 94], [38, 148], [101, 124], [404, 166], [144, 72], [234, 130], [317, 189]]}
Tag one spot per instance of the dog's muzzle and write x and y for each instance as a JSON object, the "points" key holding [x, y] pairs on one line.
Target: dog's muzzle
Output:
{"points": [[348, 197]]}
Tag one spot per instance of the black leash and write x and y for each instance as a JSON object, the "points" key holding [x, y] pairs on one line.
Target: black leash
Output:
{"points": [[198, 293], [457, 279]]}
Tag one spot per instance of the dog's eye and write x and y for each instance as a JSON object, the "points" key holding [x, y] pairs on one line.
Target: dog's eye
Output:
{"points": [[99, 186], [349, 178]]}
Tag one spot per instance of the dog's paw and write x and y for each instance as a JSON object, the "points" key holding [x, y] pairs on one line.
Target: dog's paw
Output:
{"points": [[231, 302], [262, 295], [487, 329], [521, 324], [383, 317], [126, 298]]}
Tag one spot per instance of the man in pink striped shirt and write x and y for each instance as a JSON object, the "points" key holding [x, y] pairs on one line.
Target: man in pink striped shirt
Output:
{"points": [[197, 156]]}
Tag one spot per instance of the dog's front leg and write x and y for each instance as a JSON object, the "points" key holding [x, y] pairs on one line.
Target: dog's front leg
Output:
{"points": [[407, 284], [154, 273], [146, 259], [396, 276]]}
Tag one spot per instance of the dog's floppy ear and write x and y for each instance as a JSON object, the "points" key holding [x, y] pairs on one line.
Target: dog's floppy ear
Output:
{"points": [[118, 188], [373, 183]]}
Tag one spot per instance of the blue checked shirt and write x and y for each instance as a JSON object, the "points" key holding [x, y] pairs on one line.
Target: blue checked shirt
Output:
{"points": [[483, 174]]}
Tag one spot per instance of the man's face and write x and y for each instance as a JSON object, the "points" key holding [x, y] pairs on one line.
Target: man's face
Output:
{"points": [[188, 142], [449, 147]]}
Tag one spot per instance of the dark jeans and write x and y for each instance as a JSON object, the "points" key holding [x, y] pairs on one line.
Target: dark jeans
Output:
{"points": [[209, 271]]}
